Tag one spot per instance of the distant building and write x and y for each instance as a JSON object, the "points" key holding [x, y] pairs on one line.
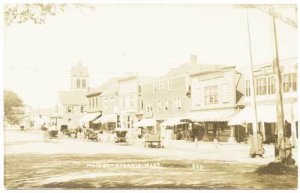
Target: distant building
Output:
{"points": [[93, 110], [109, 98], [40, 117], [72, 103], [130, 100], [167, 99], [264, 81], [103, 106]]}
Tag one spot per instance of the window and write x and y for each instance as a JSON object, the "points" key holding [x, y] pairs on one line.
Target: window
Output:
{"points": [[69, 109], [90, 103], [129, 122], [247, 87], [271, 85], [287, 82], [177, 104], [83, 83], [166, 105], [211, 95], [159, 106], [78, 83], [96, 101], [294, 81], [93, 102], [262, 86], [148, 106], [82, 109]]}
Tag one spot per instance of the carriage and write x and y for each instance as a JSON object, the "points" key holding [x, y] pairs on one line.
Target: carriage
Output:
{"points": [[121, 135], [50, 134], [91, 135]]}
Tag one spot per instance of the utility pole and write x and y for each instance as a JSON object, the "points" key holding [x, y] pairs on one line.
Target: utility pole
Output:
{"points": [[254, 149], [280, 151]]}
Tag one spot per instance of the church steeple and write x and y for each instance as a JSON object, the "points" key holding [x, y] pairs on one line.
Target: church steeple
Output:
{"points": [[79, 76]]}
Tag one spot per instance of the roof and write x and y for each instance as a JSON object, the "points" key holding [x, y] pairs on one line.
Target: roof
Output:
{"points": [[79, 70], [259, 67], [191, 69], [73, 97], [110, 87]]}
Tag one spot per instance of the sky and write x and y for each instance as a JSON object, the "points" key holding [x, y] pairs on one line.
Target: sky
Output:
{"points": [[149, 39]]}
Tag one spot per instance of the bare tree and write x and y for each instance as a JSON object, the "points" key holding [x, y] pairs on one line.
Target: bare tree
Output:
{"points": [[36, 13]]}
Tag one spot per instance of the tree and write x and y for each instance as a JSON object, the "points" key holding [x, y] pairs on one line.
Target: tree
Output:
{"points": [[12, 105], [36, 13]]}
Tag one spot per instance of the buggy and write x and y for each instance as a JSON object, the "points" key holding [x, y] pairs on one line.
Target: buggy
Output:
{"points": [[121, 135]]}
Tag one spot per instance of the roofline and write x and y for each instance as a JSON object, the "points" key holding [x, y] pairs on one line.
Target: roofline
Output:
{"points": [[222, 69], [129, 77]]}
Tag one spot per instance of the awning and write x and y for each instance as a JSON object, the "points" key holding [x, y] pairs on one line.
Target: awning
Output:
{"points": [[220, 115], [265, 113], [145, 123], [106, 119], [173, 121], [89, 117]]}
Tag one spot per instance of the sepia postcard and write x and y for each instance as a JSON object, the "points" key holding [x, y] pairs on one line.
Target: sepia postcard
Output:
{"points": [[149, 95]]}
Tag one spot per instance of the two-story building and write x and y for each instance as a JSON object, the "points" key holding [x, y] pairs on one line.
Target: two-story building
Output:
{"points": [[109, 105], [130, 99], [167, 99], [72, 103], [94, 109], [265, 95], [216, 91]]}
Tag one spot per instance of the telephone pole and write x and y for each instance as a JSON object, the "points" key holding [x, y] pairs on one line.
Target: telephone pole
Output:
{"points": [[281, 141], [254, 149]]}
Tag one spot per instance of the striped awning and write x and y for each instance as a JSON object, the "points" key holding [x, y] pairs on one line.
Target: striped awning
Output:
{"points": [[89, 117], [218, 115], [173, 121], [106, 119], [265, 113], [145, 123]]}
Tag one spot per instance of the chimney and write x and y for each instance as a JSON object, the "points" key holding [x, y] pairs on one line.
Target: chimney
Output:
{"points": [[193, 59]]}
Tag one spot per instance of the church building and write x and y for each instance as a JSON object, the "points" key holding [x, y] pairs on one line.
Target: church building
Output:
{"points": [[72, 103]]}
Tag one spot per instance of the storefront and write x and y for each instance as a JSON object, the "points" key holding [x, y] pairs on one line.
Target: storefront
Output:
{"points": [[146, 126], [212, 124], [87, 120], [107, 122], [267, 118]]}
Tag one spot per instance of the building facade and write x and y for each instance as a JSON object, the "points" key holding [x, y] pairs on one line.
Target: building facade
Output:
{"points": [[109, 105], [265, 95], [216, 92], [130, 100]]}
